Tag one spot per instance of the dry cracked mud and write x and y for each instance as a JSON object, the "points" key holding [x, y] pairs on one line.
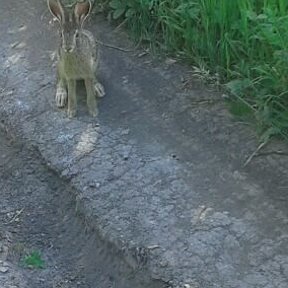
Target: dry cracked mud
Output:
{"points": [[159, 176], [38, 215]]}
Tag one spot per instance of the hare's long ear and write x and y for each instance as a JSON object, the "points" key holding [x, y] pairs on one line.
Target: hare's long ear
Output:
{"points": [[82, 11], [56, 10]]}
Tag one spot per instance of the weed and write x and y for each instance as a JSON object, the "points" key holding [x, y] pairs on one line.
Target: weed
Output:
{"points": [[243, 42], [33, 260]]}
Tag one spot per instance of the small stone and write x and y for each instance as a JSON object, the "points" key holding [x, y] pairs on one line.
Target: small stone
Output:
{"points": [[4, 269], [125, 157], [125, 132], [94, 185], [163, 264], [170, 61]]}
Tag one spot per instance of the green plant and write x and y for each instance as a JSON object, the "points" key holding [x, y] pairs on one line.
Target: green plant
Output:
{"points": [[33, 260], [118, 8], [243, 42]]}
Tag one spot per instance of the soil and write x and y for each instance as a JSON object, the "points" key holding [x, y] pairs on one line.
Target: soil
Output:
{"points": [[158, 185], [37, 214]]}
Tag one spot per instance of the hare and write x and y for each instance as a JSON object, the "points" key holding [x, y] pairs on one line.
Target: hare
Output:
{"points": [[77, 56]]}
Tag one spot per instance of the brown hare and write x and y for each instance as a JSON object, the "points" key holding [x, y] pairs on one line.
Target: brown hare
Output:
{"points": [[77, 56]]}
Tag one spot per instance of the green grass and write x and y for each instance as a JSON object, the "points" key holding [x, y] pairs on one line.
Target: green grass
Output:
{"points": [[33, 260], [244, 42]]}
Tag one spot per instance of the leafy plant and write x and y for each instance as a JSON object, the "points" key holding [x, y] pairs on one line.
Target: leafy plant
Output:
{"points": [[118, 8], [244, 42]]}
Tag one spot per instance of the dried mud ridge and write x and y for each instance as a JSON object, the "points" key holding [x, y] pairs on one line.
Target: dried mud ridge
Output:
{"points": [[38, 214]]}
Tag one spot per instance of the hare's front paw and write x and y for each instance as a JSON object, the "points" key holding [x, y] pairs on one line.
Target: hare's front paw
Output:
{"points": [[71, 113], [93, 111], [61, 97], [99, 89]]}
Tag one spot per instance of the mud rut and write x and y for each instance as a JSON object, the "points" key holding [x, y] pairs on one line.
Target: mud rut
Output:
{"points": [[38, 214]]}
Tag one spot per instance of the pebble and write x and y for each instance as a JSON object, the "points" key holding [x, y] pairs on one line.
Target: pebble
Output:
{"points": [[3, 269]]}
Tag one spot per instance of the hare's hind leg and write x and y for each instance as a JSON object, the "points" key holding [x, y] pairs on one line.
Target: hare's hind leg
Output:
{"points": [[91, 97], [72, 100]]}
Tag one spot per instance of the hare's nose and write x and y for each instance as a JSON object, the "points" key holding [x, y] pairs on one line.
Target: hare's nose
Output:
{"points": [[68, 50]]}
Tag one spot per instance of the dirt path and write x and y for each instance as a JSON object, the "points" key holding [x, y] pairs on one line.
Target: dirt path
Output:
{"points": [[37, 215], [159, 176]]}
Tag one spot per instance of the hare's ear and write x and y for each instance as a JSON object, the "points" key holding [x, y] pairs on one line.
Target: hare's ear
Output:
{"points": [[56, 10], [82, 11]]}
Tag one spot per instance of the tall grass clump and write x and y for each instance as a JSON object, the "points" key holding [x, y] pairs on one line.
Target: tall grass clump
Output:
{"points": [[244, 41]]}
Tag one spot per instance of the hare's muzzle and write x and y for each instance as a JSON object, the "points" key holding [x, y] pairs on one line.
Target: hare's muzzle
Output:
{"points": [[68, 49], [68, 46], [68, 41]]}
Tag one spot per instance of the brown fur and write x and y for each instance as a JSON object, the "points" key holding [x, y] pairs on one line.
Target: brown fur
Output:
{"points": [[77, 57]]}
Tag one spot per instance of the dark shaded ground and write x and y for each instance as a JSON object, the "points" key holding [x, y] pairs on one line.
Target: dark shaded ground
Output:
{"points": [[33, 219], [37, 213], [159, 176]]}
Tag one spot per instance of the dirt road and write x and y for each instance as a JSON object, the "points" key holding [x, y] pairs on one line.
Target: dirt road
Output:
{"points": [[159, 176], [38, 215]]}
